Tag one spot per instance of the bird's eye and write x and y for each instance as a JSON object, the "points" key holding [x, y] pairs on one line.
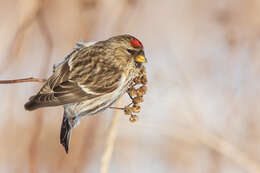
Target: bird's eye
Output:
{"points": [[132, 52]]}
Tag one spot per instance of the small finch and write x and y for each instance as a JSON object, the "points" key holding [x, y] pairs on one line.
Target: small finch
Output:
{"points": [[90, 79]]}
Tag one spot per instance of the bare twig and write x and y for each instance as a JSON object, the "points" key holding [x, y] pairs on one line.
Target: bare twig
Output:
{"points": [[29, 79], [110, 142], [211, 140], [86, 150], [16, 45]]}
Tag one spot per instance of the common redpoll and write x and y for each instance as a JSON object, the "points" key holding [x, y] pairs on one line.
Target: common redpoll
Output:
{"points": [[91, 78]]}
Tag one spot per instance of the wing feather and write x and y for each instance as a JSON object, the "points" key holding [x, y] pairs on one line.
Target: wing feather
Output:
{"points": [[70, 83]]}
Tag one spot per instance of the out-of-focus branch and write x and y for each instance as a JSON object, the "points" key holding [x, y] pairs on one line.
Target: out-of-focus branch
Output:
{"points": [[120, 26], [30, 79], [211, 140], [227, 149], [218, 144], [16, 44], [39, 120], [105, 162]]}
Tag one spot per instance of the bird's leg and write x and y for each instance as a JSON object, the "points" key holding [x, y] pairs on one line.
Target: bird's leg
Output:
{"points": [[131, 92], [75, 121], [111, 107], [130, 104], [130, 96]]}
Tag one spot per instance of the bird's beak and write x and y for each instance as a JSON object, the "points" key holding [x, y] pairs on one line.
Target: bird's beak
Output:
{"points": [[140, 59]]}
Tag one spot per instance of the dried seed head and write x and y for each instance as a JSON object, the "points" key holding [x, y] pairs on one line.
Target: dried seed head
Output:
{"points": [[138, 100], [143, 89], [136, 108], [139, 93], [128, 110], [136, 91], [144, 80], [137, 80], [133, 118], [136, 105], [132, 92]]}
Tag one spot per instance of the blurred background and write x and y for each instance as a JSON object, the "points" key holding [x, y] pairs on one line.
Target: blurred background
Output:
{"points": [[200, 114]]}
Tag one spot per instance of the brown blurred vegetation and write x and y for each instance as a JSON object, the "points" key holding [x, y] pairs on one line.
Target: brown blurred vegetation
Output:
{"points": [[200, 113]]}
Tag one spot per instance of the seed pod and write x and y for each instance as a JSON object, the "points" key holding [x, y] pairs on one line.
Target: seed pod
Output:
{"points": [[132, 92], [138, 100], [136, 108], [133, 118], [128, 110], [139, 93], [144, 80], [136, 105], [137, 80], [143, 89]]}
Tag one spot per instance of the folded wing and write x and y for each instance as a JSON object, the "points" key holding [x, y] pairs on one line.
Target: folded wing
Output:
{"points": [[80, 77]]}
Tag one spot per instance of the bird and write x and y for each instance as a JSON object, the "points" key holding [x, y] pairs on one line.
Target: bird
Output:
{"points": [[90, 79]]}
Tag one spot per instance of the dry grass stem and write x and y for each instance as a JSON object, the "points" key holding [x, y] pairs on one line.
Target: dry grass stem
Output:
{"points": [[29, 79], [15, 46], [105, 162]]}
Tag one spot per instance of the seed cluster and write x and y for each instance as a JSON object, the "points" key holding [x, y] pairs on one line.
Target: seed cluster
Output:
{"points": [[136, 93]]}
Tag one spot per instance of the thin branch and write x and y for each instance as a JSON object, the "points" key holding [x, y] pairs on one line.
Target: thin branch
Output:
{"points": [[30, 79], [105, 162], [16, 44], [111, 107]]}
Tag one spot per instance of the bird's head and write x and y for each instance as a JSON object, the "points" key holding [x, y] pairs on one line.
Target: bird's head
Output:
{"points": [[130, 46]]}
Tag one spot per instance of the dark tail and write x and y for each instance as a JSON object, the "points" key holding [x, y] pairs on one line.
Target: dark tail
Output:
{"points": [[40, 100], [65, 133], [31, 104]]}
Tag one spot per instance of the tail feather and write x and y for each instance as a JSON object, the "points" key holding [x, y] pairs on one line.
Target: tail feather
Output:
{"points": [[40, 100], [31, 104], [65, 133]]}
